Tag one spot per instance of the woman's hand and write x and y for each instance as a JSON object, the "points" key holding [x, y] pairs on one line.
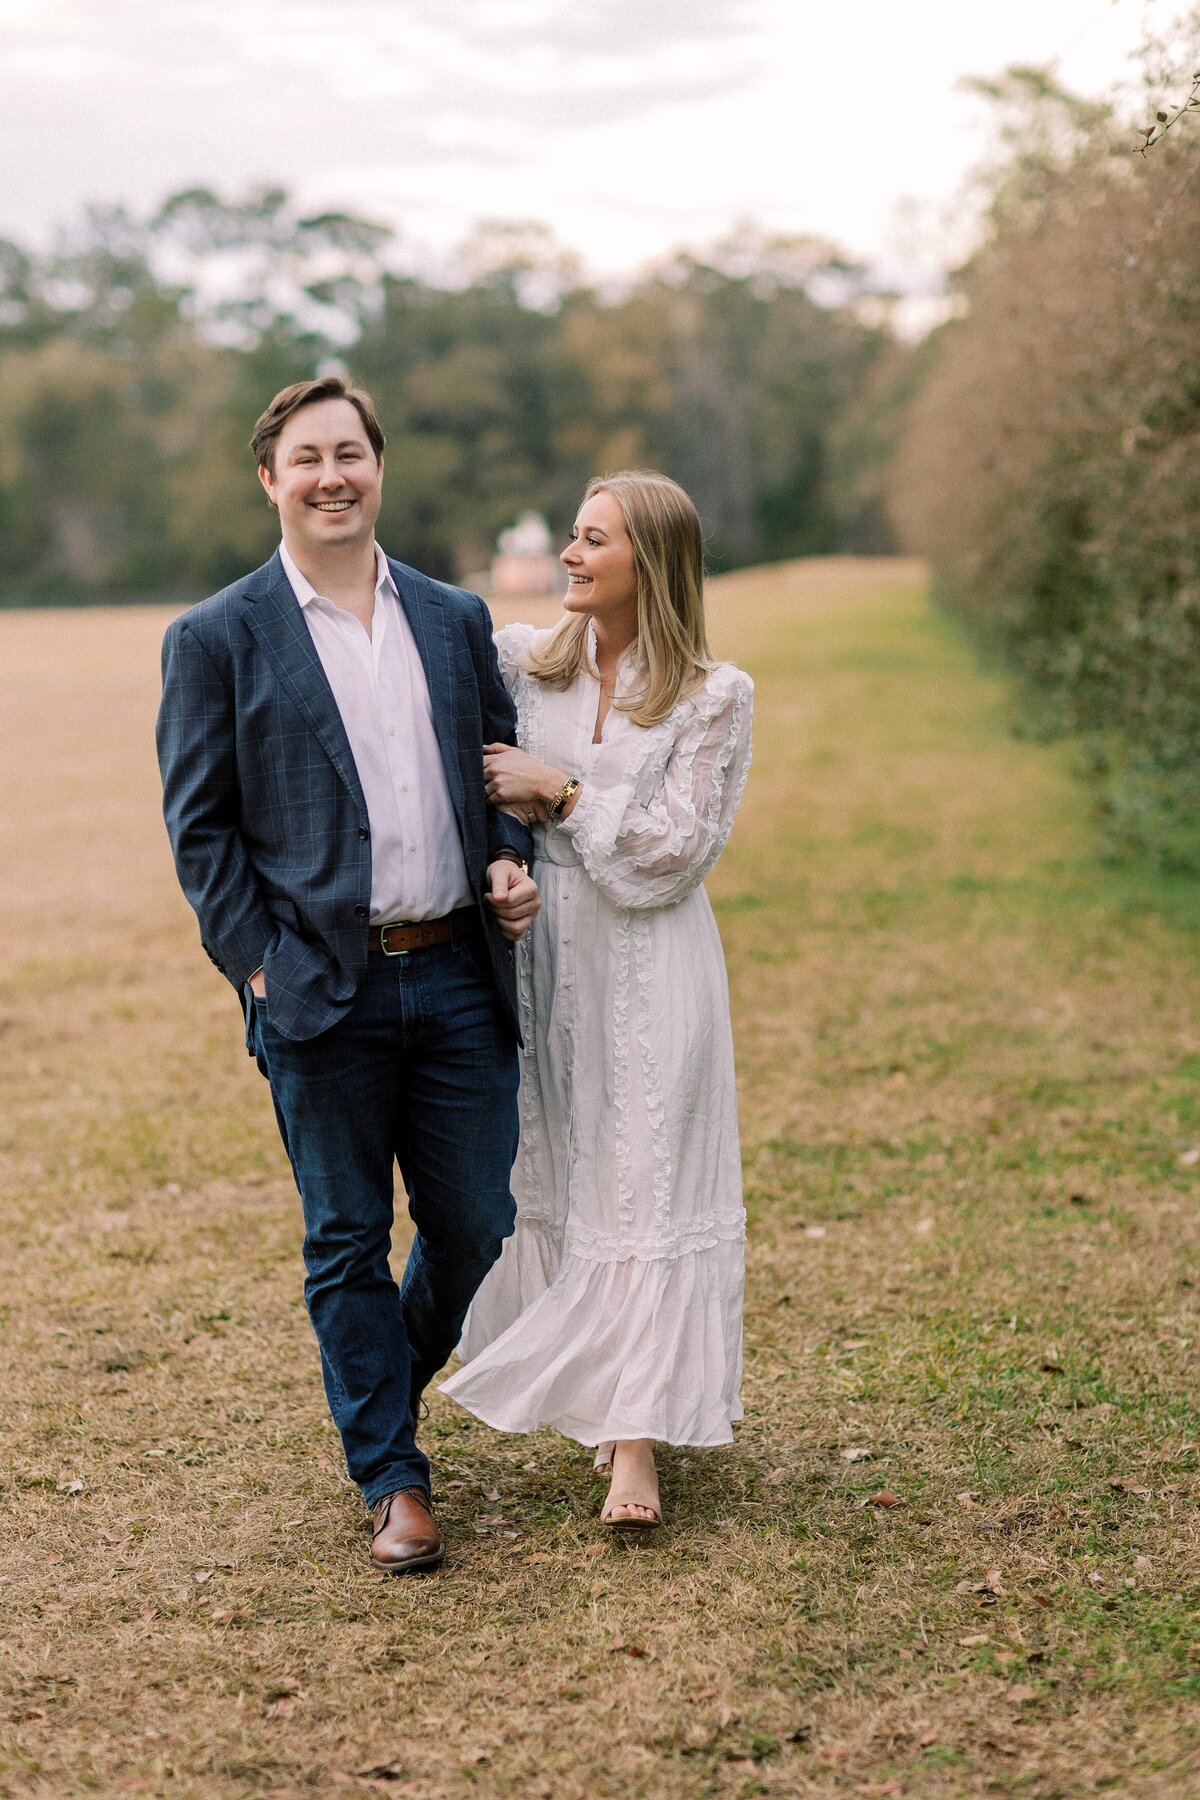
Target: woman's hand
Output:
{"points": [[519, 783]]}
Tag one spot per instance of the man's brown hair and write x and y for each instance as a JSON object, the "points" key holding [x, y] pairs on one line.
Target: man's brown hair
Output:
{"points": [[289, 400]]}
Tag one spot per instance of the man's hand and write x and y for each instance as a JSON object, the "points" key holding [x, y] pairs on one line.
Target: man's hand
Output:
{"points": [[513, 897], [517, 783], [258, 986]]}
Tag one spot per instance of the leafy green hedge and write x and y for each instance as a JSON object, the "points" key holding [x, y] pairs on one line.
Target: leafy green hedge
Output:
{"points": [[1051, 460]]}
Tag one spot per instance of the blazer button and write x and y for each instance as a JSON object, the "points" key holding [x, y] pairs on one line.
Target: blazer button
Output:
{"points": [[360, 912], [363, 833]]}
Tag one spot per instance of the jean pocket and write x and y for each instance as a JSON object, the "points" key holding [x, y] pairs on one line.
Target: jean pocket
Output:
{"points": [[473, 947]]}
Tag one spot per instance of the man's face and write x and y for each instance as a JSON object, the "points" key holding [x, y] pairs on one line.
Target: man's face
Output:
{"points": [[327, 481]]}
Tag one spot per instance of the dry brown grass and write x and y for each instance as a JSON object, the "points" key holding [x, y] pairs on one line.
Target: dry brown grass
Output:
{"points": [[969, 1061]]}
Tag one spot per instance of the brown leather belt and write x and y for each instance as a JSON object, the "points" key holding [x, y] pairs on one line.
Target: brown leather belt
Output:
{"points": [[399, 939]]}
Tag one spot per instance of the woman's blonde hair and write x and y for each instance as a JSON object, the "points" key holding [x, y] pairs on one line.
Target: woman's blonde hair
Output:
{"points": [[671, 651]]}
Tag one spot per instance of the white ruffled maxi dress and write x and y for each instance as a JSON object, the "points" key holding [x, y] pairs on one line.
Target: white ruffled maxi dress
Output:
{"points": [[615, 1309]]}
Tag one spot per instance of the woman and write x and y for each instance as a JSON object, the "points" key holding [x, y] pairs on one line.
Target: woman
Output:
{"points": [[615, 1311]]}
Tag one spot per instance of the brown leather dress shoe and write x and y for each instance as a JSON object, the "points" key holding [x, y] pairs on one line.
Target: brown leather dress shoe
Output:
{"points": [[404, 1535]]}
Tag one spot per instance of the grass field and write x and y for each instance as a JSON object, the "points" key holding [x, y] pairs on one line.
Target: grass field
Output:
{"points": [[954, 1549]]}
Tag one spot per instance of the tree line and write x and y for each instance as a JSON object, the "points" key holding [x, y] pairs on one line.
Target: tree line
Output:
{"points": [[1050, 461], [135, 356]]}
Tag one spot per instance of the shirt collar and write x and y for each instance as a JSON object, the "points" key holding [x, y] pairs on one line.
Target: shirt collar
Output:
{"points": [[306, 593]]}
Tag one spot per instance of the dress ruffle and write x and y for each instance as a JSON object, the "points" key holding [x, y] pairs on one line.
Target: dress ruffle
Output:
{"points": [[631, 1349]]}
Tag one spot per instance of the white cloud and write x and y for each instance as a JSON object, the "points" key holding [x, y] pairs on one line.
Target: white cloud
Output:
{"points": [[627, 124]]}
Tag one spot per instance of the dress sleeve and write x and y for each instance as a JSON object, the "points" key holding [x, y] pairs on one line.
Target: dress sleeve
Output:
{"points": [[512, 642], [651, 849]]}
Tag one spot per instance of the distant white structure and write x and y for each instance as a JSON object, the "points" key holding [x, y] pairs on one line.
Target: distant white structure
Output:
{"points": [[525, 562]]}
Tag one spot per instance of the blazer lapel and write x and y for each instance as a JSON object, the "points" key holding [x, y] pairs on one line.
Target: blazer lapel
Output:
{"points": [[431, 632], [277, 620]]}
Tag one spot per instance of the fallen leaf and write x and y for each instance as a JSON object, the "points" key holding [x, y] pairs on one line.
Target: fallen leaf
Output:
{"points": [[1019, 1696], [856, 1344], [923, 1225], [29, 1716], [862, 1454], [540, 1556], [622, 1649], [148, 1613], [1189, 1159], [814, 1231], [200, 1576], [111, 1537], [884, 1790], [885, 1498], [775, 1478], [1042, 1601], [967, 1500], [745, 1765], [230, 1616], [926, 1739], [70, 1487], [597, 1549], [973, 1643], [285, 1688], [492, 1494]]}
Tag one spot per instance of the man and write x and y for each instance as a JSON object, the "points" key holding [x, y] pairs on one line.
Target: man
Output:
{"points": [[321, 744]]}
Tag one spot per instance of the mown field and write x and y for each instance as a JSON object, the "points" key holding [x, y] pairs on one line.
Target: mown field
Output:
{"points": [[954, 1551]]}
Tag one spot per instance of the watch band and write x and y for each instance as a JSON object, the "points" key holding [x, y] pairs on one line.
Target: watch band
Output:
{"points": [[564, 796]]}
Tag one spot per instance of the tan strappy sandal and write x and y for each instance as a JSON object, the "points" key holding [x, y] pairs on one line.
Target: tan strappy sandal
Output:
{"points": [[604, 1466]]}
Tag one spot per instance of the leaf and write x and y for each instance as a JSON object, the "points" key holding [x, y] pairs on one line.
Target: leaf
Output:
{"points": [[926, 1740], [1019, 1695], [598, 1549], [230, 1615], [966, 1499], [200, 1576], [776, 1478], [814, 1231], [70, 1487], [884, 1498], [861, 1454], [1189, 1158], [540, 1556], [976, 1642], [1161, 117], [623, 1649], [923, 1225]]}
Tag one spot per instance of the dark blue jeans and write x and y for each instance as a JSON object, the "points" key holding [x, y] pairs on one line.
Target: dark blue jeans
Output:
{"points": [[422, 1071]]}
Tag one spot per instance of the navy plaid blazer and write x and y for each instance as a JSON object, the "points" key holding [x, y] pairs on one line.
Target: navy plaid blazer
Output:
{"points": [[262, 800]]}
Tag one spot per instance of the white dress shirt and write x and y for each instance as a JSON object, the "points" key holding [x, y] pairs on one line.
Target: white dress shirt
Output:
{"points": [[417, 865]]}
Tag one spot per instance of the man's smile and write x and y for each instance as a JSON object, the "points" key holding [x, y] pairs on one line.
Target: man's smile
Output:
{"points": [[332, 506]]}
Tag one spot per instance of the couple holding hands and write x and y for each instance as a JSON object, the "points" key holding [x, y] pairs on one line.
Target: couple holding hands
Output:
{"points": [[456, 882]]}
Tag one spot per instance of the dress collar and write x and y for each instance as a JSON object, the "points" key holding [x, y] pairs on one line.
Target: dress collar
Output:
{"points": [[626, 668]]}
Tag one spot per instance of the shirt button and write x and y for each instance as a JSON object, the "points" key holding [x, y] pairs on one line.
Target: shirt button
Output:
{"points": [[391, 731], [360, 912], [412, 848], [363, 833], [404, 787]]}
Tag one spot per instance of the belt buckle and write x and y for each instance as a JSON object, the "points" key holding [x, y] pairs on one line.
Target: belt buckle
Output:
{"points": [[383, 931]]}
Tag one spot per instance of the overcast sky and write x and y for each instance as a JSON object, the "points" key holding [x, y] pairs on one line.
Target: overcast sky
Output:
{"points": [[630, 126]]}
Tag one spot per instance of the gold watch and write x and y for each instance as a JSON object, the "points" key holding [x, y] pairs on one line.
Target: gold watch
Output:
{"points": [[564, 796]]}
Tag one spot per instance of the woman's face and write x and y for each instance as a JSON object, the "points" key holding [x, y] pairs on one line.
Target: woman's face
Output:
{"points": [[602, 578]]}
